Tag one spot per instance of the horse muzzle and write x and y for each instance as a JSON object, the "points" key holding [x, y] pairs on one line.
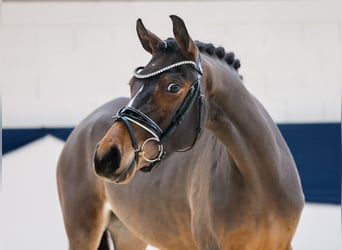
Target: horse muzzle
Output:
{"points": [[108, 165], [114, 157], [120, 154]]}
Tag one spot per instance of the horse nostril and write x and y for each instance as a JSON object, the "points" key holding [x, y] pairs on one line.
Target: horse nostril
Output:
{"points": [[108, 162]]}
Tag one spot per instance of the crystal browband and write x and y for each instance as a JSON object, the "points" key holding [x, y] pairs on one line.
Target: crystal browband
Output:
{"points": [[144, 76]]}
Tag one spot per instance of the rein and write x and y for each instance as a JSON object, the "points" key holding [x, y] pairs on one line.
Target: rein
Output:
{"points": [[130, 115]]}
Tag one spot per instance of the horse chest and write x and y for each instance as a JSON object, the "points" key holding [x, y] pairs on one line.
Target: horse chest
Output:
{"points": [[160, 217]]}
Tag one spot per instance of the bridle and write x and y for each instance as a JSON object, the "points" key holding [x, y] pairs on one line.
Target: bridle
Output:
{"points": [[130, 115]]}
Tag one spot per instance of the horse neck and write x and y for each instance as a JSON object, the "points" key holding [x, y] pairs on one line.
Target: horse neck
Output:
{"points": [[238, 120]]}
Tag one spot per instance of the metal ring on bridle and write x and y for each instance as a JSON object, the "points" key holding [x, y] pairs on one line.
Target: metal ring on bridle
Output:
{"points": [[160, 149]]}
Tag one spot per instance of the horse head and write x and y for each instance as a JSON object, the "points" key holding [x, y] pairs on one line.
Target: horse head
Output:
{"points": [[165, 113]]}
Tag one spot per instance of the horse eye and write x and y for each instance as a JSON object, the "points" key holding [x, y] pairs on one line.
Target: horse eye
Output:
{"points": [[173, 88]]}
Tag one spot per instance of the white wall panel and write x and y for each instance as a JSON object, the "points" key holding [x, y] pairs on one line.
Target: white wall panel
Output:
{"points": [[61, 60]]}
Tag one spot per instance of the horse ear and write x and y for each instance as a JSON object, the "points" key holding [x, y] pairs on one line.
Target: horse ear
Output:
{"points": [[184, 41], [148, 40]]}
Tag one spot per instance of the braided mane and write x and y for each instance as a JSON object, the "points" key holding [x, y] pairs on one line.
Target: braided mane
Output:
{"points": [[170, 45]]}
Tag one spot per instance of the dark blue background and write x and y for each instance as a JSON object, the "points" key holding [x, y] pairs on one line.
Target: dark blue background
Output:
{"points": [[316, 149]]}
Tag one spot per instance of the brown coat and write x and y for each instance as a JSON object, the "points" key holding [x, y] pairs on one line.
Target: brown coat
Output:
{"points": [[237, 188]]}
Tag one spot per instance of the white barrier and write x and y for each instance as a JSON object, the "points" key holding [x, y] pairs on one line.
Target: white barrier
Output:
{"points": [[61, 60]]}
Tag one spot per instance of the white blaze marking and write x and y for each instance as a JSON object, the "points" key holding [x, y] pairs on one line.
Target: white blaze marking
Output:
{"points": [[135, 96]]}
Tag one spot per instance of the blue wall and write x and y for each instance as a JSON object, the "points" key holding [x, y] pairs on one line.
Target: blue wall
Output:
{"points": [[316, 149]]}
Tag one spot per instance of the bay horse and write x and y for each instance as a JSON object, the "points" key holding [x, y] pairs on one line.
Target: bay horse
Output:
{"points": [[220, 175]]}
